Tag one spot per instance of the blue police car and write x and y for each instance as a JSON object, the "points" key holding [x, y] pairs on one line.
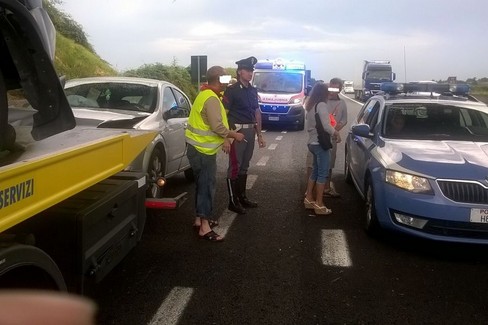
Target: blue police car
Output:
{"points": [[418, 155]]}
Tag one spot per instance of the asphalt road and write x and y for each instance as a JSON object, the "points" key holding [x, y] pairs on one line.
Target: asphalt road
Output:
{"points": [[281, 265]]}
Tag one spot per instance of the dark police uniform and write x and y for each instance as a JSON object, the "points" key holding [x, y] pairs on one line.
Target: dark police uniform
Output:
{"points": [[241, 103]]}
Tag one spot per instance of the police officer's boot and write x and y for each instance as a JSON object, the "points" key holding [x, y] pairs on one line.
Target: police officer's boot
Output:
{"points": [[234, 204], [241, 183]]}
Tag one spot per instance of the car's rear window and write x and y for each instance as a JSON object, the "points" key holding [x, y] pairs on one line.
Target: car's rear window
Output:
{"points": [[434, 122], [111, 95]]}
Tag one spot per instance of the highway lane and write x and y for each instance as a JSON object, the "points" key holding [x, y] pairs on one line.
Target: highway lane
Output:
{"points": [[281, 265]]}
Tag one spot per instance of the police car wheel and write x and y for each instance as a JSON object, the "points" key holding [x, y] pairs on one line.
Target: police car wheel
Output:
{"points": [[371, 223]]}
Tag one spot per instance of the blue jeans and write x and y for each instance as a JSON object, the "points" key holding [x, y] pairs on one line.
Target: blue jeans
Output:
{"points": [[205, 170], [321, 163]]}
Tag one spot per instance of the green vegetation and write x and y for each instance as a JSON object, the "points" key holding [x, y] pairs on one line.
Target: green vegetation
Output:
{"points": [[179, 76], [76, 58], [73, 60], [479, 89]]}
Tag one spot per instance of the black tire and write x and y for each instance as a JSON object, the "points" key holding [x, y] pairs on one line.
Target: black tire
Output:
{"points": [[347, 169], [189, 175], [301, 125], [371, 223], [155, 170]]}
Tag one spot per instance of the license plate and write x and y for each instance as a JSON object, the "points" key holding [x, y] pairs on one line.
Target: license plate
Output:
{"points": [[274, 118], [479, 215]]}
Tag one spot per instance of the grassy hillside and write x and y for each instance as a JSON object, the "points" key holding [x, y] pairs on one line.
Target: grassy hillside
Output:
{"points": [[74, 60]]}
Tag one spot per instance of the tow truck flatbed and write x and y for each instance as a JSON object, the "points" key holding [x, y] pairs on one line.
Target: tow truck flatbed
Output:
{"points": [[49, 171]]}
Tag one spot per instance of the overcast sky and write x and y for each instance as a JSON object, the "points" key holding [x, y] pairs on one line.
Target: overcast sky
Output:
{"points": [[436, 38]]}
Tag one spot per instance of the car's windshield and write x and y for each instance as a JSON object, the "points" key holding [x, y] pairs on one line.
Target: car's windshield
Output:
{"points": [[379, 74], [278, 82], [434, 122], [112, 95]]}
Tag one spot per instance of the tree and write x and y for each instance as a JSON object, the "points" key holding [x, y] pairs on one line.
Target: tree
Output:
{"points": [[175, 74], [65, 25]]}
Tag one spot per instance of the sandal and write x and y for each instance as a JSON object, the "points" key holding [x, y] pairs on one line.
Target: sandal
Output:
{"points": [[212, 236], [212, 223], [309, 204], [323, 210], [330, 192]]}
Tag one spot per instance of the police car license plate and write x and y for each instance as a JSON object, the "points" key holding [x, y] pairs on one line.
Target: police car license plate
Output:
{"points": [[274, 118], [479, 215]]}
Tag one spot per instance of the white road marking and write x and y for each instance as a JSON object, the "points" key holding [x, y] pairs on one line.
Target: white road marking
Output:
{"points": [[263, 131], [250, 181], [335, 251], [172, 307], [280, 137], [225, 222], [283, 132], [272, 146], [263, 161]]}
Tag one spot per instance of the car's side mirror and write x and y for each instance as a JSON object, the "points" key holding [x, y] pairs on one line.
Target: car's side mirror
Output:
{"points": [[167, 115], [174, 112], [362, 130]]}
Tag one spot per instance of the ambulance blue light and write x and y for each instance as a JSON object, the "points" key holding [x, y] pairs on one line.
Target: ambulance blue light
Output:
{"points": [[295, 66], [263, 65], [279, 64]]}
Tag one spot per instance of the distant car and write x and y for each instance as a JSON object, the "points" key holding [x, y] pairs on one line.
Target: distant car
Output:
{"points": [[421, 163], [348, 87], [138, 103]]}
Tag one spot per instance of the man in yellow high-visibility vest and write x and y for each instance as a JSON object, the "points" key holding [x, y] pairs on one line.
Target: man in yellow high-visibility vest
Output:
{"points": [[207, 132]]}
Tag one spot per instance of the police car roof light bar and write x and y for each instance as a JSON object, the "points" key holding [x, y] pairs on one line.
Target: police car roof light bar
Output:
{"points": [[416, 87]]}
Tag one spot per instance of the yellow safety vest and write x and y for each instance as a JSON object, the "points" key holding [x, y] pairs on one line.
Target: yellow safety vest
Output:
{"points": [[198, 133]]}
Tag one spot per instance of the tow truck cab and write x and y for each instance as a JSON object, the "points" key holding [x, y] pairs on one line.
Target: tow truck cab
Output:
{"points": [[282, 86]]}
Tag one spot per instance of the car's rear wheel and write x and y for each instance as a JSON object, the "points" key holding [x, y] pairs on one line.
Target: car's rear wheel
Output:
{"points": [[371, 223], [155, 170], [347, 169]]}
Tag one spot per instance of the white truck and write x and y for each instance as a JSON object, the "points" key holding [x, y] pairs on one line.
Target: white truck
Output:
{"points": [[348, 87], [68, 214]]}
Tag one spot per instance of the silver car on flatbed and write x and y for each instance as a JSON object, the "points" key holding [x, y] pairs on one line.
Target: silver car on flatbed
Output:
{"points": [[138, 103]]}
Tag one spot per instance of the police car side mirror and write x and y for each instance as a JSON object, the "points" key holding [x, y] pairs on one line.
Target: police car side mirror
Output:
{"points": [[361, 130]]}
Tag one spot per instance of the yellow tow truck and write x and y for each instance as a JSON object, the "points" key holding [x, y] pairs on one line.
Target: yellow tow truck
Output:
{"points": [[68, 211]]}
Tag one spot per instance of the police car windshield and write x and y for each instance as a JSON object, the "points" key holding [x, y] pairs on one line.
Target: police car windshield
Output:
{"points": [[435, 122], [278, 82]]}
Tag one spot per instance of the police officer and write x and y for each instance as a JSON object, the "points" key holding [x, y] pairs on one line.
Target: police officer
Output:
{"points": [[241, 102]]}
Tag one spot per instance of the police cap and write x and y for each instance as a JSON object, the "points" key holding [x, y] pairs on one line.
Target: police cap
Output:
{"points": [[247, 64]]}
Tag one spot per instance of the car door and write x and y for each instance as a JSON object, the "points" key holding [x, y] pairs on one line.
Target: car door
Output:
{"points": [[184, 107], [361, 146], [175, 108]]}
